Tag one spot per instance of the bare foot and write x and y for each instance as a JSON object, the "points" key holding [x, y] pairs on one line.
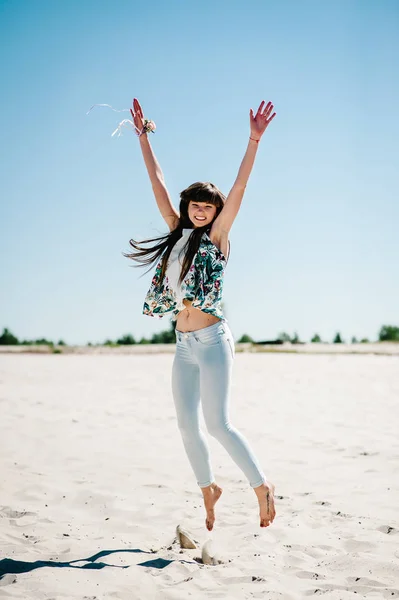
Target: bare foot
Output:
{"points": [[267, 512], [211, 495]]}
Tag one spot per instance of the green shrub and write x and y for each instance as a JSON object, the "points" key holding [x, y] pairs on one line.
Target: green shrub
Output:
{"points": [[126, 340], [389, 333], [245, 339]]}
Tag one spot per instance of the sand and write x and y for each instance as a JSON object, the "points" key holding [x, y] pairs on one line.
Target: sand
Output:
{"points": [[94, 480]]}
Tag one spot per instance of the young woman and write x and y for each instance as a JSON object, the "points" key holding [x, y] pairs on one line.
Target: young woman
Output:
{"points": [[187, 284]]}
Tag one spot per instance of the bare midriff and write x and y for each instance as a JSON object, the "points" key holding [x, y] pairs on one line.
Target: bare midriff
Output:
{"points": [[191, 319]]}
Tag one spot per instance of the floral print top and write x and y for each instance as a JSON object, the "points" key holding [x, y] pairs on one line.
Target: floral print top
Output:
{"points": [[203, 285]]}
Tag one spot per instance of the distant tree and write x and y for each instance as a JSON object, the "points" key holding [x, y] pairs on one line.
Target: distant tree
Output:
{"points": [[43, 342], [144, 341], [284, 337], [364, 341], [295, 339], [89, 344], [165, 337], [61, 343], [337, 339], [389, 333], [245, 339], [316, 339], [8, 339], [126, 340], [354, 340]]}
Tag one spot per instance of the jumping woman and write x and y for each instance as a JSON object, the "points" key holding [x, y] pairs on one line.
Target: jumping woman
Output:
{"points": [[187, 284]]}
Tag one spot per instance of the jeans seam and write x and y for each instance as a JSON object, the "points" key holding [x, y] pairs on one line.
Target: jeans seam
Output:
{"points": [[231, 347]]}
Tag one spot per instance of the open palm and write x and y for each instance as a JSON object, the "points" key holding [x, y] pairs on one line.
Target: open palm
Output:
{"points": [[261, 120], [137, 115]]}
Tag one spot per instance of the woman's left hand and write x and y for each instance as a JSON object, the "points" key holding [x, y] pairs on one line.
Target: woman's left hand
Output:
{"points": [[261, 120]]}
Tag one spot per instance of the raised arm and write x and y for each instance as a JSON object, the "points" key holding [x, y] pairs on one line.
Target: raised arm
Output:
{"points": [[258, 125], [161, 193]]}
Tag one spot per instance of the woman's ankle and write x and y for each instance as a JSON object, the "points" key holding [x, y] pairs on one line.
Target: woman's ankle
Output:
{"points": [[209, 488]]}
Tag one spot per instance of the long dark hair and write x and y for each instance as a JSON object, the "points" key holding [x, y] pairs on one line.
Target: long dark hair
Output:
{"points": [[197, 192]]}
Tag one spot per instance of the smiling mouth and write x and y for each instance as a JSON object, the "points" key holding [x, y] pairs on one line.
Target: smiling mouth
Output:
{"points": [[200, 218]]}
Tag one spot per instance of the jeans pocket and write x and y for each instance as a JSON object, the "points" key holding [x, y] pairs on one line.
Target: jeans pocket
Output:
{"points": [[209, 341]]}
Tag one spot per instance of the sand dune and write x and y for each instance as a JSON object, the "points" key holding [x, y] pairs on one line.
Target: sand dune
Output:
{"points": [[95, 480]]}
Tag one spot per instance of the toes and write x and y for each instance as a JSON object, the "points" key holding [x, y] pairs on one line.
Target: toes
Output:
{"points": [[210, 520], [265, 523]]}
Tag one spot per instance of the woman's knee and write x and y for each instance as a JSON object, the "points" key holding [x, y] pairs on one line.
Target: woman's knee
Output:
{"points": [[188, 429], [218, 429]]}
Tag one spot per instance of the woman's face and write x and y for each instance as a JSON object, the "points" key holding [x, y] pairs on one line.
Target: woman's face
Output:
{"points": [[201, 213]]}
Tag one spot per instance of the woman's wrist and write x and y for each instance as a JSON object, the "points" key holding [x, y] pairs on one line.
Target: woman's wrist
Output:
{"points": [[254, 139]]}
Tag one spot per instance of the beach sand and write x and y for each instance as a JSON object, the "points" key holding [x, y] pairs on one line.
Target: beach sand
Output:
{"points": [[94, 480]]}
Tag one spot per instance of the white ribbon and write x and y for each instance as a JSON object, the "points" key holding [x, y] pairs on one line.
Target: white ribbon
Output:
{"points": [[124, 123]]}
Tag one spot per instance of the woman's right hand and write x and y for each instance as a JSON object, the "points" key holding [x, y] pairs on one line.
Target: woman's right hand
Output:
{"points": [[137, 115]]}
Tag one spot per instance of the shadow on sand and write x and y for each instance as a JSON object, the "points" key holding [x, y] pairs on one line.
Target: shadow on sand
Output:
{"points": [[10, 566]]}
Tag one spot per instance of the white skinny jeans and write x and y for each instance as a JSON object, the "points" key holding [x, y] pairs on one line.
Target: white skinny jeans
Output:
{"points": [[202, 370]]}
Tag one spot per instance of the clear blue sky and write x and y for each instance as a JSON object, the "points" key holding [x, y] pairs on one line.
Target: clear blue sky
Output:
{"points": [[315, 247]]}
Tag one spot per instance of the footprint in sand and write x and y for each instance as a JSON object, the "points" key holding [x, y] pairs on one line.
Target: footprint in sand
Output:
{"points": [[388, 530], [353, 545], [210, 555], [309, 575], [8, 512], [185, 539], [363, 587], [7, 579], [364, 581]]}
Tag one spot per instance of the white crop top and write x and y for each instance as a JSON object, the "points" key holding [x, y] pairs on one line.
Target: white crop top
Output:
{"points": [[174, 266]]}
